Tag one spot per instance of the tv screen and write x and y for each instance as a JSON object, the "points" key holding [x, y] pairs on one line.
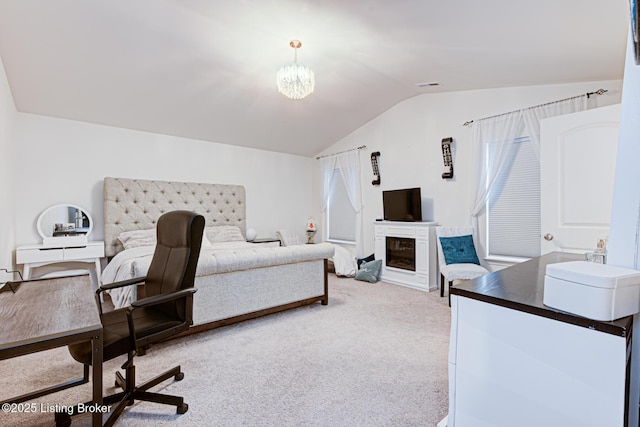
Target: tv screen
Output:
{"points": [[402, 205]]}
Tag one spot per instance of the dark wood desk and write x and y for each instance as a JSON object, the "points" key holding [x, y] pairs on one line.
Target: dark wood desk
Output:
{"points": [[50, 313]]}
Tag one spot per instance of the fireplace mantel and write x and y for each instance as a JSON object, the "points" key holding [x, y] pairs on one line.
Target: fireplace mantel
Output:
{"points": [[422, 275]]}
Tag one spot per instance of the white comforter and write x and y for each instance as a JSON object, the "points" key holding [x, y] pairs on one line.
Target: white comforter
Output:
{"points": [[216, 258], [135, 262]]}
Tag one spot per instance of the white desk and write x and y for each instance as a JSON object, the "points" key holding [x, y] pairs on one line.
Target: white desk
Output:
{"points": [[38, 255]]}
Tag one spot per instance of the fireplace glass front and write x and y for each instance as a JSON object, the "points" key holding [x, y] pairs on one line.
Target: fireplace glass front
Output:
{"points": [[401, 253]]}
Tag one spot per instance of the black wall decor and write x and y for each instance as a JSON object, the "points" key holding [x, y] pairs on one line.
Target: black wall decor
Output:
{"points": [[376, 170], [447, 158]]}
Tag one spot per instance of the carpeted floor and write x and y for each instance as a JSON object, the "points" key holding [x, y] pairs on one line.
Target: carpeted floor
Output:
{"points": [[375, 356]]}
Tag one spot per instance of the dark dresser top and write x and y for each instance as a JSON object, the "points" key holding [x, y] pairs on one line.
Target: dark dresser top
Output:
{"points": [[521, 287]]}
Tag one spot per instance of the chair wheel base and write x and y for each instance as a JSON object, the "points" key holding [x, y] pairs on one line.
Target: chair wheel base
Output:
{"points": [[62, 419], [182, 408], [179, 376]]}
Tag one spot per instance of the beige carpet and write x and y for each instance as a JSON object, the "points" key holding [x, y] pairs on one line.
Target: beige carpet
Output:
{"points": [[375, 356]]}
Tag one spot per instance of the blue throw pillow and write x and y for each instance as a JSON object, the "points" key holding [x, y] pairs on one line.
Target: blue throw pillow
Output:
{"points": [[369, 271], [459, 250]]}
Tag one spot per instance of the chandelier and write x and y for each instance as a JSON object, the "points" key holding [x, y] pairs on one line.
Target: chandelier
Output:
{"points": [[295, 81]]}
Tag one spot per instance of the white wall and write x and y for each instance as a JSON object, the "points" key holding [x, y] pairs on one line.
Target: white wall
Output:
{"points": [[409, 137], [63, 161], [7, 191], [624, 234], [625, 215]]}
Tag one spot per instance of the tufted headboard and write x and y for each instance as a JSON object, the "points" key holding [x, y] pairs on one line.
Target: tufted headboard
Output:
{"points": [[136, 204]]}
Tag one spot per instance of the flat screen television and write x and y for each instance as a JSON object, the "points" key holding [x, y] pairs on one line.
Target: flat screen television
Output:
{"points": [[402, 205]]}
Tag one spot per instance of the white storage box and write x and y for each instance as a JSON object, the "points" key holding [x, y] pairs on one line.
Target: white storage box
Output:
{"points": [[596, 291]]}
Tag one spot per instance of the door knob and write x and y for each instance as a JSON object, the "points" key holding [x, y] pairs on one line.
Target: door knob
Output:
{"points": [[548, 237]]}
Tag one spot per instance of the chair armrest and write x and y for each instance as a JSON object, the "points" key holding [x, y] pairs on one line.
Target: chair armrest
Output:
{"points": [[149, 301], [159, 299], [120, 284]]}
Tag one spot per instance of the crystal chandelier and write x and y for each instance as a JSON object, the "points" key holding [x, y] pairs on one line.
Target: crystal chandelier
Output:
{"points": [[295, 81]]}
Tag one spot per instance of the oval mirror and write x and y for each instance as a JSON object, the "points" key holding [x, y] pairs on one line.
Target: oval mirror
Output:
{"points": [[64, 221]]}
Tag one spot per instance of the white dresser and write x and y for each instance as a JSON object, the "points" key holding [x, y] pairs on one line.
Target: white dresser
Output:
{"points": [[38, 255], [515, 362]]}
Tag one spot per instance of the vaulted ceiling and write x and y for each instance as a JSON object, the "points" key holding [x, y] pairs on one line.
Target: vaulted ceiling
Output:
{"points": [[205, 69]]}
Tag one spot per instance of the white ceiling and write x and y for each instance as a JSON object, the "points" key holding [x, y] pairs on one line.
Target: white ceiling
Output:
{"points": [[205, 69]]}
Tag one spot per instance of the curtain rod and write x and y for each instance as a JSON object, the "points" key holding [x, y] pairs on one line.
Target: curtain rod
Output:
{"points": [[588, 94], [340, 152]]}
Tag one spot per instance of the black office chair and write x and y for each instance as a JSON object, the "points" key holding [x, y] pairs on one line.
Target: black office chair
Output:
{"points": [[165, 310]]}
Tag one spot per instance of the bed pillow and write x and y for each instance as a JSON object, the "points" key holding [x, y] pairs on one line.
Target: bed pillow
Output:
{"points": [[369, 271], [459, 250], [224, 233], [137, 238]]}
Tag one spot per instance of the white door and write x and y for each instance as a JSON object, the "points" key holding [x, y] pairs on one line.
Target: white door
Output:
{"points": [[578, 159]]}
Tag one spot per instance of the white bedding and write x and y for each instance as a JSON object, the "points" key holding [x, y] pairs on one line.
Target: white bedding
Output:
{"points": [[219, 257], [135, 262]]}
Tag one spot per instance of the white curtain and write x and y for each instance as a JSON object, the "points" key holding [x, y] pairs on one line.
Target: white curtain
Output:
{"points": [[501, 131], [327, 165], [349, 165], [533, 115]]}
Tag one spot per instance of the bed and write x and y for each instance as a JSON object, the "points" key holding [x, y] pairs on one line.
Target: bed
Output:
{"points": [[236, 280]]}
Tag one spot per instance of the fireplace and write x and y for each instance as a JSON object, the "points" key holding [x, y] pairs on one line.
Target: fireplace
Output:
{"points": [[401, 253], [408, 253]]}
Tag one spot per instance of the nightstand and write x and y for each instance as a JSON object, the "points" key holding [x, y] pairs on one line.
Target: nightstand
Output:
{"points": [[38, 255], [267, 241]]}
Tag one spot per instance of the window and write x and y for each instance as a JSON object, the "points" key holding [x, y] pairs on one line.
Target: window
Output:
{"points": [[513, 207], [341, 218]]}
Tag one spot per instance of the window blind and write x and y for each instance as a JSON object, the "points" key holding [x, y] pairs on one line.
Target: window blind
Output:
{"points": [[513, 220]]}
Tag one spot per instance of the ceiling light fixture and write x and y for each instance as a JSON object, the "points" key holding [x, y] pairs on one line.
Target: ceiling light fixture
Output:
{"points": [[295, 81]]}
